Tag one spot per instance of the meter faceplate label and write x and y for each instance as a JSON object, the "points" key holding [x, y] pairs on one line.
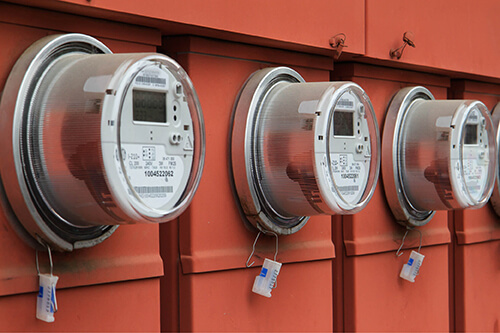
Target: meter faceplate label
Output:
{"points": [[154, 175], [349, 176], [152, 77], [346, 102], [474, 174], [475, 159]]}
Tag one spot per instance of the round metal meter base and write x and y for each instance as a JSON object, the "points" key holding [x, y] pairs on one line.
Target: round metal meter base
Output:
{"points": [[29, 212], [401, 207], [495, 195], [244, 169]]}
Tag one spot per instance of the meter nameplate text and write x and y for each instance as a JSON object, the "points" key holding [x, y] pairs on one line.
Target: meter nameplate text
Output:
{"points": [[349, 176], [154, 176], [475, 176]]}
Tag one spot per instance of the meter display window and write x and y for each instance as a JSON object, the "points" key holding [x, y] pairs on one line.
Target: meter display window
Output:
{"points": [[149, 106], [470, 137], [343, 123], [301, 149], [99, 140]]}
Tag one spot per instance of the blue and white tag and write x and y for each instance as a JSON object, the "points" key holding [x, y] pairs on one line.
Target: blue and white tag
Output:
{"points": [[411, 269], [46, 302], [264, 282]]}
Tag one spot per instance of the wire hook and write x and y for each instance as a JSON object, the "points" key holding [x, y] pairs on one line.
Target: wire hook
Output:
{"points": [[253, 250], [50, 260], [265, 232], [399, 253], [420, 244]]}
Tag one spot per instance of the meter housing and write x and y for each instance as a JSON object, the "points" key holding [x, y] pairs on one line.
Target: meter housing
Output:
{"points": [[495, 196], [436, 155], [300, 149], [94, 139]]}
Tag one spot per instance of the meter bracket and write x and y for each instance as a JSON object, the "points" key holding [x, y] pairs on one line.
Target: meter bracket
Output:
{"points": [[405, 213], [248, 106]]}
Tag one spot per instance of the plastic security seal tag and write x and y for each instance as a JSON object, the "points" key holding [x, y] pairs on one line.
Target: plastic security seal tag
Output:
{"points": [[264, 282], [46, 303], [411, 268]]}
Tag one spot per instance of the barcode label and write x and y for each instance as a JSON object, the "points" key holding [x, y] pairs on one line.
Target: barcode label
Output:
{"points": [[153, 80], [153, 189], [345, 103], [350, 188]]}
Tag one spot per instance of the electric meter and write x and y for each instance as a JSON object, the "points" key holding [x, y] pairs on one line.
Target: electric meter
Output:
{"points": [[436, 155], [92, 140], [495, 196], [300, 149]]}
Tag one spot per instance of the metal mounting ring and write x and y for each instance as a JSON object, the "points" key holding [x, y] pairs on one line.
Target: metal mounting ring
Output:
{"points": [[401, 207], [29, 215], [245, 115]]}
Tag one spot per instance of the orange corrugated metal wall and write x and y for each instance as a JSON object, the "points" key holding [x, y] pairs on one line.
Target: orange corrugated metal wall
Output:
{"points": [[339, 273]]}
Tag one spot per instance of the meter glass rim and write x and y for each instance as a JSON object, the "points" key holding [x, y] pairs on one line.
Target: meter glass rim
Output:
{"points": [[495, 196], [139, 206], [374, 139], [469, 106]]}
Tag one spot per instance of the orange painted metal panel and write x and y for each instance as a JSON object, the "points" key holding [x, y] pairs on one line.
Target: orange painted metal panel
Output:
{"points": [[131, 306], [223, 302], [131, 253], [377, 299], [447, 33], [21, 36], [169, 283], [267, 56], [212, 233], [457, 36], [294, 22], [474, 226], [56, 22], [477, 297]]}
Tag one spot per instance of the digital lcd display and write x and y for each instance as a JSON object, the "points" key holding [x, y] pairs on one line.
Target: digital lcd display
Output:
{"points": [[149, 106], [470, 134], [343, 123]]}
